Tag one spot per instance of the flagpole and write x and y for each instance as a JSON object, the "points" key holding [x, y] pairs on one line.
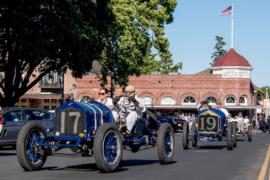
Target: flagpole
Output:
{"points": [[232, 23]]}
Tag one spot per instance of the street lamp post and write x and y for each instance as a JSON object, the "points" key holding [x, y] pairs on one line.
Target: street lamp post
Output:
{"points": [[62, 82], [255, 105], [63, 86]]}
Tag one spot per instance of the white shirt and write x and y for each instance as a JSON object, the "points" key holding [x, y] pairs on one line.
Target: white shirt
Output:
{"points": [[246, 120], [131, 106], [108, 103], [225, 111]]}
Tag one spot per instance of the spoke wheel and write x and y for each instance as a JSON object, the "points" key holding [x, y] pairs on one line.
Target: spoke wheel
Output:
{"points": [[108, 147], [30, 155]]}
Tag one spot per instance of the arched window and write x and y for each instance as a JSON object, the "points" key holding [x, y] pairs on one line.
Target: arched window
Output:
{"points": [[189, 100], [243, 101], [211, 100], [148, 100], [230, 100], [86, 99], [167, 101]]}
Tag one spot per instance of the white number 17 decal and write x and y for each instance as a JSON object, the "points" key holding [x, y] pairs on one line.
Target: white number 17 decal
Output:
{"points": [[76, 121]]}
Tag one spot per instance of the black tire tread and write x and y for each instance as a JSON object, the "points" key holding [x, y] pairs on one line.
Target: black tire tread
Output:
{"points": [[229, 137], [185, 139], [163, 159]]}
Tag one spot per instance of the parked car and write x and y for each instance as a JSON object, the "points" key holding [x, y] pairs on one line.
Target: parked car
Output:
{"points": [[264, 126], [14, 118]]}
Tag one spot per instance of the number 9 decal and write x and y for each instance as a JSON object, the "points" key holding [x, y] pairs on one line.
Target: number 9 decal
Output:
{"points": [[211, 123]]}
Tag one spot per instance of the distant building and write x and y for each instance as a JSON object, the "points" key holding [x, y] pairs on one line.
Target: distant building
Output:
{"points": [[228, 80]]}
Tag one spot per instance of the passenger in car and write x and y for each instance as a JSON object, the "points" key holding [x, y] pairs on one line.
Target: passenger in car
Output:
{"points": [[203, 105], [104, 98], [223, 109]]}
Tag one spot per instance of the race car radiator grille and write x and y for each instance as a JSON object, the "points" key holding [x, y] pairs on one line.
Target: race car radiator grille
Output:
{"points": [[69, 122], [209, 123]]}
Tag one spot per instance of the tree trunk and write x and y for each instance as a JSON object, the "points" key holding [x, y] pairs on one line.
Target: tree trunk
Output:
{"points": [[8, 102], [112, 87]]}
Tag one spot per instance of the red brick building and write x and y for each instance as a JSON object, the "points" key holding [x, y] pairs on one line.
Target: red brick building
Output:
{"points": [[227, 80]]}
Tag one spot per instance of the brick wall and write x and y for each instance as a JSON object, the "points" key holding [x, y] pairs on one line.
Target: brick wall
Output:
{"points": [[177, 86]]}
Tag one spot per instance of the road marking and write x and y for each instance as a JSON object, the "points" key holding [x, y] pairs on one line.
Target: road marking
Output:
{"points": [[265, 165]]}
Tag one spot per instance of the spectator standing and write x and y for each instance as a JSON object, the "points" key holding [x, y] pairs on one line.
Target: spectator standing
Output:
{"points": [[240, 121]]}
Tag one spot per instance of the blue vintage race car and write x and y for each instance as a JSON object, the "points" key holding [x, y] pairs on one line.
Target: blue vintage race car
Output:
{"points": [[210, 125], [89, 129]]}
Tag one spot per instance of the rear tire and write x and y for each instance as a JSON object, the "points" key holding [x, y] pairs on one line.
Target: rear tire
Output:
{"points": [[234, 136], [165, 143], [229, 137], [195, 136], [185, 139], [249, 133], [31, 157], [108, 148]]}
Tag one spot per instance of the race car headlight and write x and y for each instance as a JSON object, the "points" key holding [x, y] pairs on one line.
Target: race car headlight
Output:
{"points": [[81, 134]]}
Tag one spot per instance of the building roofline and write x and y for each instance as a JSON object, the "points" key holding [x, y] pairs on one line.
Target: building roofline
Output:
{"points": [[231, 67]]}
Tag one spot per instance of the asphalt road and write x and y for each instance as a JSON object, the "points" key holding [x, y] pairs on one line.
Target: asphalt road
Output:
{"points": [[210, 161]]}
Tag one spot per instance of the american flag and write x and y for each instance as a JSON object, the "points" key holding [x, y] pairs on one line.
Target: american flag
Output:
{"points": [[226, 11]]}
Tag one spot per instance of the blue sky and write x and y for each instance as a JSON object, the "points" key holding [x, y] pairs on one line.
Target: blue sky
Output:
{"points": [[197, 22]]}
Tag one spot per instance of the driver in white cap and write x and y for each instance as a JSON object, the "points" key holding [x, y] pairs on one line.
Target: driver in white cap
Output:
{"points": [[135, 107]]}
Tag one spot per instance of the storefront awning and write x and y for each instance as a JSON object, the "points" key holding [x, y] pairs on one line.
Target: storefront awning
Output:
{"points": [[171, 107], [194, 107], [43, 96]]}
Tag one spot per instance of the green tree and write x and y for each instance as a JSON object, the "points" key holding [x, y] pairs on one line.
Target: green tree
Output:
{"points": [[137, 33], [40, 36], [265, 92], [219, 48]]}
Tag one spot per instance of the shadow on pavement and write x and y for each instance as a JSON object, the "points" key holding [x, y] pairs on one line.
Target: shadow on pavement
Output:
{"points": [[209, 147], [7, 154], [93, 167], [85, 167], [139, 162]]}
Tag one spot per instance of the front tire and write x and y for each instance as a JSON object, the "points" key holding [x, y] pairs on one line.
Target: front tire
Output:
{"points": [[185, 139], [165, 143], [108, 148], [234, 136], [30, 155]]}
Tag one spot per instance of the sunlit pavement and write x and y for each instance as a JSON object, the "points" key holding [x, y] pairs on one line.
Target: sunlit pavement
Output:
{"points": [[211, 160]]}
